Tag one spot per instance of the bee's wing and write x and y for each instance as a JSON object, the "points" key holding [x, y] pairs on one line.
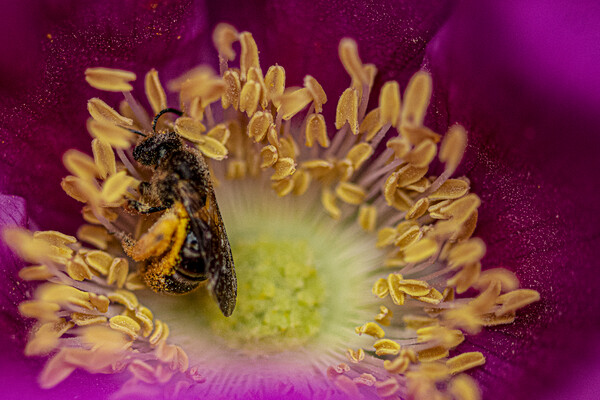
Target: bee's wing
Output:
{"points": [[207, 225]]}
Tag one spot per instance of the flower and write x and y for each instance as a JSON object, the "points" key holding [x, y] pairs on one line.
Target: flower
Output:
{"points": [[489, 144]]}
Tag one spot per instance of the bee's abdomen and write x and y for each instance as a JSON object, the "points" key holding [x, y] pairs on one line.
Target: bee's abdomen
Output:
{"points": [[192, 262]]}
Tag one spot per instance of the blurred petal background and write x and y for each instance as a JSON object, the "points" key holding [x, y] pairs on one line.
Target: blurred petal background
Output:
{"points": [[523, 78]]}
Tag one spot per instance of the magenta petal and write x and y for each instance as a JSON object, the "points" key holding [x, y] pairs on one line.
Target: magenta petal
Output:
{"points": [[533, 159]]}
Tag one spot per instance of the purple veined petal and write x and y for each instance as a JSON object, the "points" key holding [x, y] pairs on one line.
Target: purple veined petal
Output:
{"points": [[533, 159]]}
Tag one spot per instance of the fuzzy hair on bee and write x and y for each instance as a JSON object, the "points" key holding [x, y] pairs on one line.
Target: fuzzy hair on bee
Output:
{"points": [[188, 244]]}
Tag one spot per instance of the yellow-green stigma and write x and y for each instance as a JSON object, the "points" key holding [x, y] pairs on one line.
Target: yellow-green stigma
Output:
{"points": [[280, 296]]}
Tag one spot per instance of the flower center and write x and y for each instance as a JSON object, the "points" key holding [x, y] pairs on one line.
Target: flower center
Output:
{"points": [[280, 295]]}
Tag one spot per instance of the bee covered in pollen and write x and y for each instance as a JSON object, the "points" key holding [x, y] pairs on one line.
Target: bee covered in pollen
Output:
{"points": [[188, 244]]}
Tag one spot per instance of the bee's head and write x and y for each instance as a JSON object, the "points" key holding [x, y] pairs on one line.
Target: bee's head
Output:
{"points": [[153, 149]]}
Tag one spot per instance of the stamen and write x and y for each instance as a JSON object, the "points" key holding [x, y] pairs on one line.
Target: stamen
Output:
{"points": [[126, 325], [249, 97], [389, 104], [154, 91], [416, 99], [316, 130], [116, 186], [232, 92], [111, 80], [367, 217], [463, 387], [223, 37], [249, 57], [371, 329], [115, 136], [355, 356], [102, 112], [104, 158], [190, 129], [317, 92], [386, 347], [348, 52], [347, 110], [465, 361], [259, 125], [275, 83], [80, 164], [387, 388], [516, 299], [293, 102]]}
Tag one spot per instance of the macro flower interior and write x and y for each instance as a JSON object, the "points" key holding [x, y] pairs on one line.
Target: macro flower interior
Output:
{"points": [[387, 216]]}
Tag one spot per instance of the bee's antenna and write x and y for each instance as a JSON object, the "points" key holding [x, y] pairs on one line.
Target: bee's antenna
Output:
{"points": [[166, 110], [136, 132]]}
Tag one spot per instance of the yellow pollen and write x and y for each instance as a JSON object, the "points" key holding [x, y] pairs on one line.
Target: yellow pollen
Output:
{"points": [[78, 270], [396, 294], [371, 124]]}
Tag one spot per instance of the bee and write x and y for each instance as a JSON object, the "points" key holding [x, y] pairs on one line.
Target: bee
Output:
{"points": [[188, 244]]}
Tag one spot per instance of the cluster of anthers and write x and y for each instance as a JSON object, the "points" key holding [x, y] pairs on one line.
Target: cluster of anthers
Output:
{"points": [[89, 317]]}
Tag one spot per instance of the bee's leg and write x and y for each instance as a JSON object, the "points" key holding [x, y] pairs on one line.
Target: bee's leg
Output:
{"points": [[143, 208], [154, 242]]}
